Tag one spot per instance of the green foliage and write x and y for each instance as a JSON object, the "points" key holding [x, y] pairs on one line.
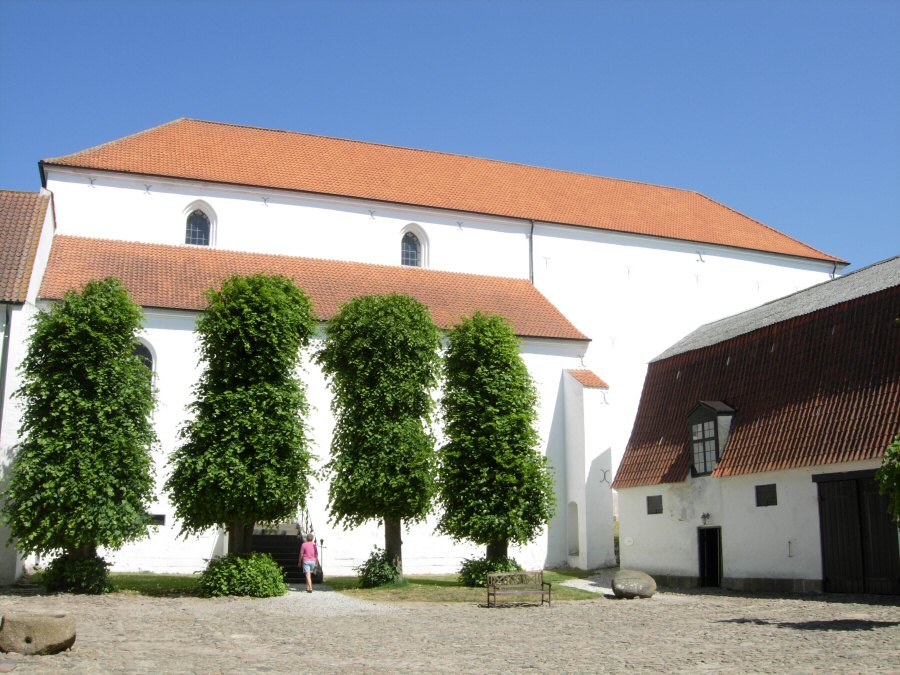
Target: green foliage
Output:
{"points": [[378, 570], [255, 575], [381, 357], [888, 477], [71, 574], [83, 474], [246, 456], [473, 571], [494, 483]]}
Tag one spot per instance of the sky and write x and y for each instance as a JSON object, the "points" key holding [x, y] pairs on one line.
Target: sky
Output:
{"points": [[787, 111]]}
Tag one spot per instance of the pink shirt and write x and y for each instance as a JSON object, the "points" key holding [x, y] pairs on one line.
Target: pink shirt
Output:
{"points": [[309, 552]]}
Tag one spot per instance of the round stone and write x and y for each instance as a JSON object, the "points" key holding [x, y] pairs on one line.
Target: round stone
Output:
{"points": [[633, 584], [36, 633]]}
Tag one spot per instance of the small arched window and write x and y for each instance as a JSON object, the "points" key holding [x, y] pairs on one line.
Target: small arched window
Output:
{"points": [[410, 250], [143, 352], [197, 229]]}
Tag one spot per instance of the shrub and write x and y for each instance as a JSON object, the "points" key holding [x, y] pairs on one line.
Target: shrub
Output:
{"points": [[378, 570], [474, 571], [68, 574], [253, 574]]}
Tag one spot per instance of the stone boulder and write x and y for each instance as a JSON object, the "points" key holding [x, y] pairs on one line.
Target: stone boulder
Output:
{"points": [[633, 584], [36, 633]]}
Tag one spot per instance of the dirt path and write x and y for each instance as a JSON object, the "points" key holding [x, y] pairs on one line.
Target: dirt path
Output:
{"points": [[328, 632]]}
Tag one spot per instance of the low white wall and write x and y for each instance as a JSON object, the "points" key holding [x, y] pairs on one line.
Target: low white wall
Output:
{"points": [[768, 542]]}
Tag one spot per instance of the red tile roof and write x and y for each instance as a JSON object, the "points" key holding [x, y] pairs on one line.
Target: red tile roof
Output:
{"points": [[176, 277], [588, 378], [815, 389], [22, 215], [225, 153]]}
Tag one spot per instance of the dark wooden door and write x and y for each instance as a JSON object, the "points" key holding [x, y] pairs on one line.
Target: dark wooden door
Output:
{"points": [[710, 545], [881, 549], [860, 551]]}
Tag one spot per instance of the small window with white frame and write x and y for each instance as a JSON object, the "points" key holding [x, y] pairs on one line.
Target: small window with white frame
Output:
{"points": [[410, 250], [710, 425], [413, 246], [198, 229]]}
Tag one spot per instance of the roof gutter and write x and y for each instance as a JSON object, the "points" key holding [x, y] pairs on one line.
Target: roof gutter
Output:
{"points": [[4, 361], [531, 253], [43, 173]]}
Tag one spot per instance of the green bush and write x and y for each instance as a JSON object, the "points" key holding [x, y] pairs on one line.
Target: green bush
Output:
{"points": [[253, 574], [378, 570], [474, 571], [68, 574]]}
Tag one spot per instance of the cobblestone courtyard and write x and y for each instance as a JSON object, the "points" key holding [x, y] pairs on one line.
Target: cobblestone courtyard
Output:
{"points": [[328, 632]]}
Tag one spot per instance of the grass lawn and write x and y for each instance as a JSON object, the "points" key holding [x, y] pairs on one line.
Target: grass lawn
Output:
{"points": [[444, 588], [414, 588]]}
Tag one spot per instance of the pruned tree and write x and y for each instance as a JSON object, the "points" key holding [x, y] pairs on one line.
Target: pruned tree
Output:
{"points": [[888, 477], [82, 476], [246, 453], [381, 358], [494, 485]]}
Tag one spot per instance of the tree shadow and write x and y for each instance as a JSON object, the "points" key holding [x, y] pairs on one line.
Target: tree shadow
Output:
{"points": [[830, 624]]}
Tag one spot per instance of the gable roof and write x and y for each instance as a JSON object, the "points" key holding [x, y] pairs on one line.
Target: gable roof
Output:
{"points": [[239, 155], [22, 217], [176, 277], [814, 388]]}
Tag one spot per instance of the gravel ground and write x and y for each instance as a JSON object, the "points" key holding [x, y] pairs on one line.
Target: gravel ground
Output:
{"points": [[328, 632]]}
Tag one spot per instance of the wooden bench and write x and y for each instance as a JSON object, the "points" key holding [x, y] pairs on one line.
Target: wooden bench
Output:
{"points": [[517, 584]]}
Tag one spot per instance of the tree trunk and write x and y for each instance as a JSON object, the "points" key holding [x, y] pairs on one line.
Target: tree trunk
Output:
{"points": [[498, 549], [393, 543], [84, 552], [240, 536]]}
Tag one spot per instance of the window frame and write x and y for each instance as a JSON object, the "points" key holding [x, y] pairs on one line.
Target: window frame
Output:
{"points": [[705, 427], [209, 213], [766, 495], [654, 505], [422, 239]]}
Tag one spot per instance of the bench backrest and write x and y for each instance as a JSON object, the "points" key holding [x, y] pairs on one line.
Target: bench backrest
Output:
{"points": [[531, 578]]}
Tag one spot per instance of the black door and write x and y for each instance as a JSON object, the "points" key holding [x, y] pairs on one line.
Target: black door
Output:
{"points": [[710, 544], [860, 549]]}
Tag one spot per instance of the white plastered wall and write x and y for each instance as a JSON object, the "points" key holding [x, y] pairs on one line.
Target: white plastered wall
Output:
{"points": [[770, 542], [172, 341]]}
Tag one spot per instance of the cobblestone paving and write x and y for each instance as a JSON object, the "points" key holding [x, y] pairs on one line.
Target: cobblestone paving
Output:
{"points": [[328, 632]]}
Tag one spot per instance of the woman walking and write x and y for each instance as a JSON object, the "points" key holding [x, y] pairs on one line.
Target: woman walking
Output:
{"points": [[309, 556]]}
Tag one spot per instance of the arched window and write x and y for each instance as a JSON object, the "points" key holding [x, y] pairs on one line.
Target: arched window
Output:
{"points": [[197, 229], [143, 352], [410, 250]]}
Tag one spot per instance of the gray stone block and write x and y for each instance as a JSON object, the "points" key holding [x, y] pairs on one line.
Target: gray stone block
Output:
{"points": [[36, 633], [633, 584]]}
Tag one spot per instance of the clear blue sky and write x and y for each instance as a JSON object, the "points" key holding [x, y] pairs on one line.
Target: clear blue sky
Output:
{"points": [[786, 111]]}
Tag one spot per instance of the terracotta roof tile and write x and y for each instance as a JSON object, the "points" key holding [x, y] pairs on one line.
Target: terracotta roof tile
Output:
{"points": [[588, 378], [232, 154], [818, 388], [22, 215], [176, 277]]}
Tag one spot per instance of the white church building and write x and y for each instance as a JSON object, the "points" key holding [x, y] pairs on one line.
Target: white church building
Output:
{"points": [[596, 276]]}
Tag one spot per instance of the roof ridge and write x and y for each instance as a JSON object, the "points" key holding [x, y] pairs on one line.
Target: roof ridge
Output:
{"points": [[92, 148], [431, 152], [768, 227]]}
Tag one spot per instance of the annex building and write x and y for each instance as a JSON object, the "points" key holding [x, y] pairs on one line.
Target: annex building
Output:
{"points": [[752, 460]]}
